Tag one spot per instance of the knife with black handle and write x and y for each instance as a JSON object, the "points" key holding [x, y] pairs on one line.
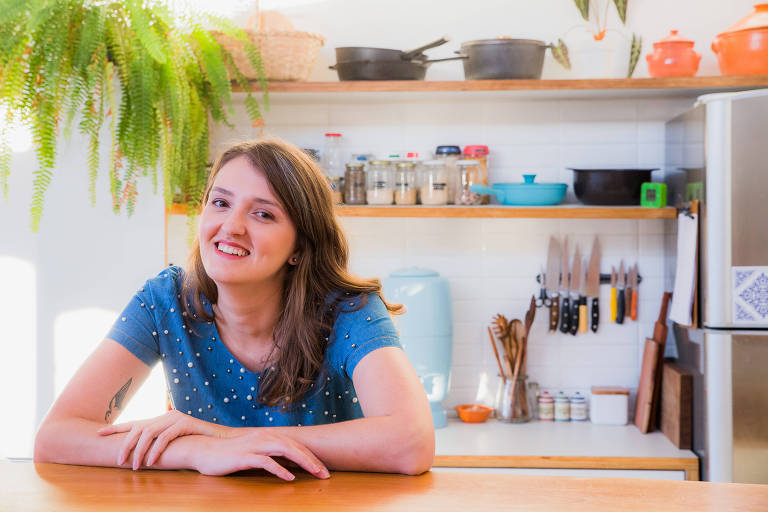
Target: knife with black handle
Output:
{"points": [[593, 285], [565, 315], [620, 301], [565, 309]]}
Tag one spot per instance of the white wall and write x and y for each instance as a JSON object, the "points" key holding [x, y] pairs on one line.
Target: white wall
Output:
{"points": [[88, 260]]}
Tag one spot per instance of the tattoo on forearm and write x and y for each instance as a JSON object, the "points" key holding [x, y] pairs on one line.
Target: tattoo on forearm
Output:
{"points": [[117, 400]]}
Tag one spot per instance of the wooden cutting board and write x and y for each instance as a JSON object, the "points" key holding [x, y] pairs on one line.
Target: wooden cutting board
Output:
{"points": [[646, 385], [677, 405]]}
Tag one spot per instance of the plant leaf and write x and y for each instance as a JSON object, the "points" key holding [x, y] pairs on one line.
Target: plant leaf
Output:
{"points": [[634, 53], [621, 7], [583, 6], [560, 53]]}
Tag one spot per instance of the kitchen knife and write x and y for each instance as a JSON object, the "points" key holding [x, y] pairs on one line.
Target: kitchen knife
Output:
{"points": [[583, 318], [635, 294], [620, 299], [613, 293], [628, 293], [553, 275], [575, 280], [565, 310], [593, 284], [542, 300]]}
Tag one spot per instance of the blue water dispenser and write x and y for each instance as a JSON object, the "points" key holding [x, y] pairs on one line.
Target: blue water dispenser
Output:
{"points": [[426, 329]]}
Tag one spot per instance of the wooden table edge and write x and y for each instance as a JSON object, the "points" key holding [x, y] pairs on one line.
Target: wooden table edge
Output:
{"points": [[689, 465]]}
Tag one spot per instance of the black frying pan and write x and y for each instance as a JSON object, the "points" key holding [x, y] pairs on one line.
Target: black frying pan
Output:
{"points": [[362, 53], [385, 69]]}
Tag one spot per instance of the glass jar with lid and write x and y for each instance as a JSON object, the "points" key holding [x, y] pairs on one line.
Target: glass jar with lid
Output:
{"points": [[434, 189], [469, 174], [354, 183], [380, 183], [405, 183], [449, 155]]}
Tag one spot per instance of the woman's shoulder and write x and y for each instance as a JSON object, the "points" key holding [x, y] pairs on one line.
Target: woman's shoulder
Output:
{"points": [[166, 285], [360, 308]]}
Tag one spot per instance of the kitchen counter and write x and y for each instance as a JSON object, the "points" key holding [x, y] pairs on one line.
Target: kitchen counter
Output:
{"points": [[553, 445], [28, 486]]}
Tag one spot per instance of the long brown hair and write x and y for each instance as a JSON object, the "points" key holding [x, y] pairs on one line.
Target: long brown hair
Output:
{"points": [[302, 330]]}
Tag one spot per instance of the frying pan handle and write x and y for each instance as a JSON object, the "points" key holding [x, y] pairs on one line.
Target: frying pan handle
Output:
{"points": [[461, 57], [416, 51]]}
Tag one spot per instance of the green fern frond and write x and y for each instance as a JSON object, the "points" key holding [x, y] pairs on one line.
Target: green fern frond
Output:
{"points": [[143, 25]]}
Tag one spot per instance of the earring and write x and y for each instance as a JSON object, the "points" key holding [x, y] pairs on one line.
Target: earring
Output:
{"points": [[294, 260]]}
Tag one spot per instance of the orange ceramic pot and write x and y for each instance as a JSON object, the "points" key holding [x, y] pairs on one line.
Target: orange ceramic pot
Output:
{"points": [[673, 56], [743, 48]]}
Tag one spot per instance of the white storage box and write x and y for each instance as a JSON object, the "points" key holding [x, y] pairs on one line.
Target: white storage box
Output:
{"points": [[609, 405]]}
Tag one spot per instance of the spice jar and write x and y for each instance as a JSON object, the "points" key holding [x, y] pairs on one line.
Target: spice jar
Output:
{"points": [[479, 153], [354, 183], [562, 407], [380, 183], [337, 189], [449, 155], [546, 407], [405, 183], [469, 174], [433, 189], [578, 407]]}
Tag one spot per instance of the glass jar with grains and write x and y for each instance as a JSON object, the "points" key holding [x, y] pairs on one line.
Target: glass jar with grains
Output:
{"points": [[381, 183], [434, 189], [405, 183], [469, 174], [354, 183]]}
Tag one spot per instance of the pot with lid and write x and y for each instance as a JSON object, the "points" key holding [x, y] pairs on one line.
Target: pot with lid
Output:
{"points": [[618, 187], [743, 48], [503, 58], [673, 56], [527, 193]]}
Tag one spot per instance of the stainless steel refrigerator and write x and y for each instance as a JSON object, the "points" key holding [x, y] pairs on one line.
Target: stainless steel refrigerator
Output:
{"points": [[717, 152]]}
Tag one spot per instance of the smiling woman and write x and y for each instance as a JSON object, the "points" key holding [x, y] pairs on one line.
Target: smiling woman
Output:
{"points": [[269, 346]]}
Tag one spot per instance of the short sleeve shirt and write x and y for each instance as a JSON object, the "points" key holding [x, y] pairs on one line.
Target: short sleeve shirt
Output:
{"points": [[206, 381]]}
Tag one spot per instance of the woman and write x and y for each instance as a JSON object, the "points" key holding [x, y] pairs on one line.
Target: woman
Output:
{"points": [[270, 347]]}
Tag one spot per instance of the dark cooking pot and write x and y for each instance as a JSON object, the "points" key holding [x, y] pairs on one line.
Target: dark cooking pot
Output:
{"points": [[609, 186], [361, 63], [384, 69], [503, 58]]}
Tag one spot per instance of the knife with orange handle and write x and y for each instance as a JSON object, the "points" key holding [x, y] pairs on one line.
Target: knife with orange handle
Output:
{"points": [[633, 302], [613, 294]]}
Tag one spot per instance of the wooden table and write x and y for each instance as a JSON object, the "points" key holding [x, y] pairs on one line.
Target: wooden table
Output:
{"points": [[46, 487]]}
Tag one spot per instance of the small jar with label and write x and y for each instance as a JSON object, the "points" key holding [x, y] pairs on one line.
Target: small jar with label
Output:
{"points": [[337, 189], [546, 407], [562, 407], [381, 183], [405, 183], [578, 407], [469, 174], [354, 183], [434, 189]]}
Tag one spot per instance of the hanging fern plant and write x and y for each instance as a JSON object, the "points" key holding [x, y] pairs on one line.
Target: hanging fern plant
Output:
{"points": [[153, 77]]}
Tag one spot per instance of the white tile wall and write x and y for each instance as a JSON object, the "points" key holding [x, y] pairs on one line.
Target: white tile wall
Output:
{"points": [[491, 264]]}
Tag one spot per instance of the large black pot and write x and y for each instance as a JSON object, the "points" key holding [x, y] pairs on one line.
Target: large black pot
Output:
{"points": [[618, 187], [503, 58]]}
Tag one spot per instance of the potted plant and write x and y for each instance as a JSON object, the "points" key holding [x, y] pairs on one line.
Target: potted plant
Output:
{"points": [[593, 52], [155, 77]]}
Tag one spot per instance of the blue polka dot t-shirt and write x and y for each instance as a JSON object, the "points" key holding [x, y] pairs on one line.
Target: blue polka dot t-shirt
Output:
{"points": [[206, 381]]}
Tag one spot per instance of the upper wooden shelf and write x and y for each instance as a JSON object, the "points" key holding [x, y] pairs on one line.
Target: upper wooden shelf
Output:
{"points": [[495, 211], [684, 85]]}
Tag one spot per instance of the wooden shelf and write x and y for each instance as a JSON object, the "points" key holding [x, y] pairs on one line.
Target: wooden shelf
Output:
{"points": [[496, 212], [697, 84]]}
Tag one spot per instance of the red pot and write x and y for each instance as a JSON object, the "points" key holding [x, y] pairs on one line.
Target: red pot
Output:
{"points": [[743, 48], [673, 56]]}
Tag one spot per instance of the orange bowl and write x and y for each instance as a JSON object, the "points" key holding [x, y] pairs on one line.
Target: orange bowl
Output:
{"points": [[473, 413]]}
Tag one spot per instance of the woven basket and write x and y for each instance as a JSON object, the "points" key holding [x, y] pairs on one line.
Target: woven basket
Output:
{"points": [[287, 55]]}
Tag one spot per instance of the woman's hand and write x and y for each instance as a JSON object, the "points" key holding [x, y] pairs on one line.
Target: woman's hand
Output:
{"points": [[255, 449], [162, 430]]}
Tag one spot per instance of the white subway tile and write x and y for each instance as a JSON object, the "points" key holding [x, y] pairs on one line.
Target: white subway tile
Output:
{"points": [[605, 132], [597, 110], [650, 132], [651, 156], [591, 156]]}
